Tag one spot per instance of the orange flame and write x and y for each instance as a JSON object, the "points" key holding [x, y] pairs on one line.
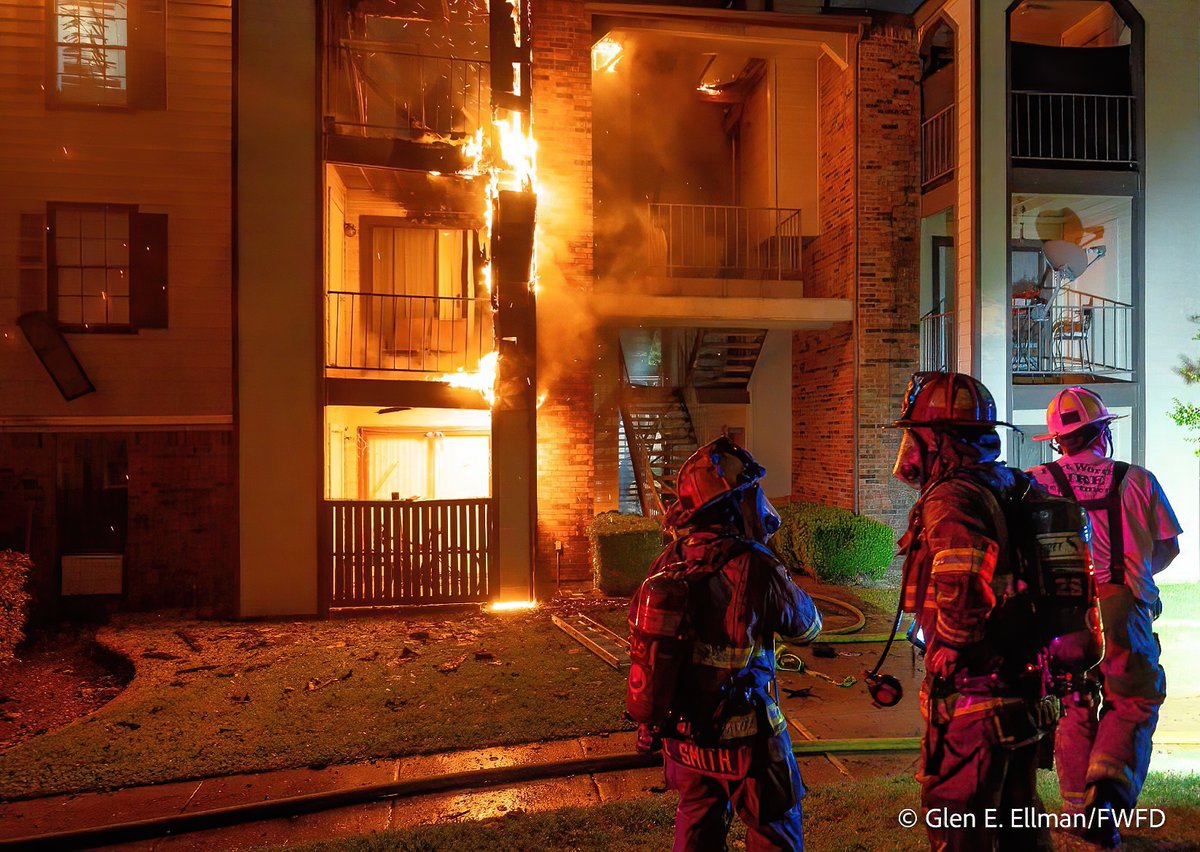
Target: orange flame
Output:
{"points": [[483, 380]]}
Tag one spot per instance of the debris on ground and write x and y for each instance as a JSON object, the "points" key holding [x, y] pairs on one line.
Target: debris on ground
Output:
{"points": [[189, 640], [452, 665]]}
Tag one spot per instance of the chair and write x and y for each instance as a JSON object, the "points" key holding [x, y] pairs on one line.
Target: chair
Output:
{"points": [[1070, 337]]}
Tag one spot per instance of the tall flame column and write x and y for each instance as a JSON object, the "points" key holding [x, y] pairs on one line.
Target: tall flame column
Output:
{"points": [[514, 415]]}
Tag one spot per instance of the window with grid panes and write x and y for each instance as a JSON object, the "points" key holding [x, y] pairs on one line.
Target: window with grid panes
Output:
{"points": [[91, 265], [107, 53], [91, 51]]}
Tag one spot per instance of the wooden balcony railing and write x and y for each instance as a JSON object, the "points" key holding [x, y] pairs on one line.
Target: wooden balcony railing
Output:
{"points": [[409, 552], [427, 334], [722, 241], [1071, 128], [378, 89], [1076, 334], [937, 146]]}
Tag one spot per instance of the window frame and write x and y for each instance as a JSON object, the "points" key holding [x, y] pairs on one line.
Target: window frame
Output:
{"points": [[145, 60], [52, 209]]}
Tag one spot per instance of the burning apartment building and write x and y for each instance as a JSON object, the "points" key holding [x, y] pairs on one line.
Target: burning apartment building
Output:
{"points": [[364, 303]]}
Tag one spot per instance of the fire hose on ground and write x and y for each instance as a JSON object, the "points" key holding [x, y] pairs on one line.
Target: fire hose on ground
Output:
{"points": [[146, 829]]}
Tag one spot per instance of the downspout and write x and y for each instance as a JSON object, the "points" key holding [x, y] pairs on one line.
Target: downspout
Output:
{"points": [[854, 331]]}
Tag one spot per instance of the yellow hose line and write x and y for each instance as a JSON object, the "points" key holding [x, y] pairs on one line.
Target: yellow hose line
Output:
{"points": [[838, 602]]}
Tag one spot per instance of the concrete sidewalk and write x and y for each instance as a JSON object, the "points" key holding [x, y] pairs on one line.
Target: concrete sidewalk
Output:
{"points": [[62, 813]]}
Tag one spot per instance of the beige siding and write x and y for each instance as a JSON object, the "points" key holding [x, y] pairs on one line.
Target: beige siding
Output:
{"points": [[796, 105], [174, 161]]}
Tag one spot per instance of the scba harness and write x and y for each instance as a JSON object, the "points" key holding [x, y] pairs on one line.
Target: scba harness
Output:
{"points": [[1110, 503]]}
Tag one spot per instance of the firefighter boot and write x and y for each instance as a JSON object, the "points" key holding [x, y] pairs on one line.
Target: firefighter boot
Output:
{"points": [[1105, 799]]}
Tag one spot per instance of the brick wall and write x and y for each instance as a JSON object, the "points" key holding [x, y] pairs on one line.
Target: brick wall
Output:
{"points": [[867, 251], [27, 477], [562, 123], [823, 361], [181, 534], [888, 258], [181, 549]]}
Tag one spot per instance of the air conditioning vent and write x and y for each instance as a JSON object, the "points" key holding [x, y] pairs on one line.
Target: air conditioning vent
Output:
{"points": [[92, 574]]}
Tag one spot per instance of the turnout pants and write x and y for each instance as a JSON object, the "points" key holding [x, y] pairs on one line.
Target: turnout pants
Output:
{"points": [[766, 798], [1113, 742], [970, 772]]}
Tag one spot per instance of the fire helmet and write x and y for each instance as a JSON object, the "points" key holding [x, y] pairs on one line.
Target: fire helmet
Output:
{"points": [[715, 472], [1071, 410], [947, 400]]}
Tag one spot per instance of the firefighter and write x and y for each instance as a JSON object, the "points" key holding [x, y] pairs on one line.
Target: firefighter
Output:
{"points": [[726, 745], [979, 699], [1102, 751]]}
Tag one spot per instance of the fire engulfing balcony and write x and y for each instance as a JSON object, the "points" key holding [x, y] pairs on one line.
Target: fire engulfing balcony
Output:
{"points": [[1075, 335], [1073, 129], [398, 333], [720, 241], [383, 90]]}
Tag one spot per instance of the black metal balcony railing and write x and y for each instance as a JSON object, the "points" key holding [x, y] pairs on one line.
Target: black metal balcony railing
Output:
{"points": [[428, 334], [1076, 334], [937, 146], [1072, 128], [377, 89], [722, 241], [937, 341]]}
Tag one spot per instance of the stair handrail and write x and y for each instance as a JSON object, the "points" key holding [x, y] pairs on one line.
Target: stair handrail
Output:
{"points": [[639, 457]]}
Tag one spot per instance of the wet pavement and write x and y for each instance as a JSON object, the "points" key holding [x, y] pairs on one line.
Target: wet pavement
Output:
{"points": [[827, 711]]}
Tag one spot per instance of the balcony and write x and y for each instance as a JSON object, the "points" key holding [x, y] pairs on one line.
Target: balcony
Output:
{"points": [[937, 147], [937, 341], [1074, 130], [721, 241], [376, 332], [1075, 337], [384, 90]]}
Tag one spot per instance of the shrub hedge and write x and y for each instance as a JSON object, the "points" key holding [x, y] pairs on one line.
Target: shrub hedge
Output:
{"points": [[14, 600], [622, 546], [832, 543]]}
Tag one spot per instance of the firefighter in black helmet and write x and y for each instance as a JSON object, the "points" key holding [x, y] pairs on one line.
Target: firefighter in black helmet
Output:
{"points": [[980, 704], [725, 740]]}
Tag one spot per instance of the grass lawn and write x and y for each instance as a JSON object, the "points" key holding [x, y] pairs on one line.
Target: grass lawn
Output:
{"points": [[220, 698], [860, 815]]}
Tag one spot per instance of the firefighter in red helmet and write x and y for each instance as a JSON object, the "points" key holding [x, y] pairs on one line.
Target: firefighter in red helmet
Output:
{"points": [[725, 739], [981, 710]]}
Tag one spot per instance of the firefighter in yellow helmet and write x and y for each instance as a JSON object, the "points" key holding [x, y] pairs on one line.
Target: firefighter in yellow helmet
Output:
{"points": [[981, 698], [724, 738], [1102, 750]]}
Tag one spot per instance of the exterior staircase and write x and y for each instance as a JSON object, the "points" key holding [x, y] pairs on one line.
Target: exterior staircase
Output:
{"points": [[722, 361], [656, 437]]}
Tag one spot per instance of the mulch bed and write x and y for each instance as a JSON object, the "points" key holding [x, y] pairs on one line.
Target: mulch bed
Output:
{"points": [[56, 678]]}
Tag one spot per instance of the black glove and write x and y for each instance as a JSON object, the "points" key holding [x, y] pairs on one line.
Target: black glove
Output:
{"points": [[648, 741]]}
